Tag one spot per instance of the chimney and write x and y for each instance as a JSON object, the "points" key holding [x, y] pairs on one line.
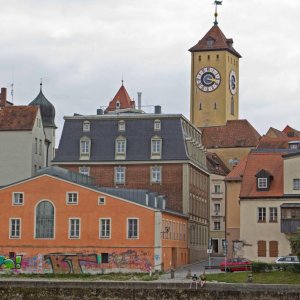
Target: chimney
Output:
{"points": [[157, 109], [100, 111], [3, 97], [139, 100]]}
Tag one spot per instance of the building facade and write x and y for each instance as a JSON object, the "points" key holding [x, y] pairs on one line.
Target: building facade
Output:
{"points": [[58, 222]]}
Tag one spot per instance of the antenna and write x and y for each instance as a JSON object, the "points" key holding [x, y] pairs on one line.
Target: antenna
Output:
{"points": [[12, 92]]}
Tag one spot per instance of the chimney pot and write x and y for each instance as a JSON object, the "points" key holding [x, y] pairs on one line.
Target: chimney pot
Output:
{"points": [[3, 96]]}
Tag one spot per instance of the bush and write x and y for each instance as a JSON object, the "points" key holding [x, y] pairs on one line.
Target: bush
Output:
{"points": [[260, 267]]}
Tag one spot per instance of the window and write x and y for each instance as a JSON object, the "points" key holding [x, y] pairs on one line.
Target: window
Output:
{"points": [[261, 214], [72, 198], [157, 125], [232, 106], [156, 174], [273, 214], [261, 248], [132, 228], [217, 189], [105, 228], [120, 147], [273, 249], [296, 184], [200, 106], [86, 126], [85, 148], [18, 198], [121, 126], [40, 147], [215, 105], [118, 104], [120, 175], [15, 228], [84, 170], [156, 147], [262, 183], [101, 200], [210, 42], [217, 207], [44, 220], [217, 225], [35, 145], [104, 258], [74, 228]]}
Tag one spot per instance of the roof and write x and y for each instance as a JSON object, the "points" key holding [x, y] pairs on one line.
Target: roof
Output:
{"points": [[220, 42], [291, 132], [17, 118], [123, 98], [236, 133], [237, 172], [215, 165], [47, 109], [138, 134], [276, 143], [275, 133], [271, 162]]}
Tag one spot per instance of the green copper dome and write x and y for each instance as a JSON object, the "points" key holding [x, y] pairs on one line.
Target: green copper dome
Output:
{"points": [[47, 109]]}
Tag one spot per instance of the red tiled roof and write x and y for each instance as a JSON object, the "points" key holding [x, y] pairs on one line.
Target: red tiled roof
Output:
{"points": [[275, 133], [17, 117], [236, 133], [267, 142], [215, 165], [123, 98], [291, 132], [237, 172], [272, 162], [220, 42]]}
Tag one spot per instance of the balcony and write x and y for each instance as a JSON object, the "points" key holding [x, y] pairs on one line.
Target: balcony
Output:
{"points": [[289, 225], [290, 217]]}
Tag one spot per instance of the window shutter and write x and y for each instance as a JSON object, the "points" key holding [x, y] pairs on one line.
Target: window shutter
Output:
{"points": [[261, 248], [273, 248]]}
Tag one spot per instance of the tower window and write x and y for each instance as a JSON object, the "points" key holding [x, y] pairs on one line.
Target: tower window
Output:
{"points": [[199, 58], [208, 57], [215, 105], [118, 104], [232, 106], [200, 106], [218, 57]]}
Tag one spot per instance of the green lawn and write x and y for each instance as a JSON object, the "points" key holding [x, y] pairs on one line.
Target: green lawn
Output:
{"points": [[275, 277]]}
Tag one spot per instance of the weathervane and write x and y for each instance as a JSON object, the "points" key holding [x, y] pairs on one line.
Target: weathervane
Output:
{"points": [[216, 3]]}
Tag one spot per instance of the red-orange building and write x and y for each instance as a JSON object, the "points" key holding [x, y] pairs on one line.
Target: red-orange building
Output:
{"points": [[59, 222]]}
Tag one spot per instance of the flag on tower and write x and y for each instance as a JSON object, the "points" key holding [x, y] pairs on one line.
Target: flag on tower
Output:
{"points": [[218, 2]]}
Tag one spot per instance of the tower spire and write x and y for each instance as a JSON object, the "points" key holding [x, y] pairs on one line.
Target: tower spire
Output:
{"points": [[216, 3], [41, 85]]}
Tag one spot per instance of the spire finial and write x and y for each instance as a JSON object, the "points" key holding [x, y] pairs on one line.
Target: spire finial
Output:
{"points": [[122, 80], [41, 84], [216, 3]]}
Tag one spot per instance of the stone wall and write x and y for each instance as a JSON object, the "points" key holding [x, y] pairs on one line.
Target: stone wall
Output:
{"points": [[67, 290]]}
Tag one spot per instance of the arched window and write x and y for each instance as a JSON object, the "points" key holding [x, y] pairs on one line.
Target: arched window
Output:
{"points": [[232, 106], [86, 126], [118, 105], [44, 220]]}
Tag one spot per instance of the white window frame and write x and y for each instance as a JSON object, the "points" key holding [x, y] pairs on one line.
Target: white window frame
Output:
{"points": [[135, 237], [121, 126], [262, 182], [16, 201], [156, 174], [105, 236], [261, 214], [85, 148], [71, 201], [156, 147], [157, 125], [101, 200], [74, 236], [273, 214], [120, 175], [86, 126], [84, 170], [11, 235], [217, 227], [120, 146], [118, 104], [296, 184]]}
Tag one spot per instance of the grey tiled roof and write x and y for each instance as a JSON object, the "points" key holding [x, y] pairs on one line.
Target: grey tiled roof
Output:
{"points": [[139, 131]]}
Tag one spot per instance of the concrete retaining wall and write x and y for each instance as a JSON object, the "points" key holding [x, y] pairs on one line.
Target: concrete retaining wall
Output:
{"points": [[67, 290]]}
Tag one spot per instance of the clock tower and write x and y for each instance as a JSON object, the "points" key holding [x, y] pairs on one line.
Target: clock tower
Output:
{"points": [[214, 80]]}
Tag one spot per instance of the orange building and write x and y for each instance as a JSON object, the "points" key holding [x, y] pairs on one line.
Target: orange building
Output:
{"points": [[59, 222]]}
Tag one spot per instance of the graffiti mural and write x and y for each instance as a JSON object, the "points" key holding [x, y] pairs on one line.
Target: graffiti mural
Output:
{"points": [[70, 263], [10, 262]]}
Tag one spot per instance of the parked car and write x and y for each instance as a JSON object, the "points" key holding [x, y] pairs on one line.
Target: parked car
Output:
{"points": [[236, 264], [287, 260]]}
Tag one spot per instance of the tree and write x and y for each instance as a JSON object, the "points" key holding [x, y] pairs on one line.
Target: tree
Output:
{"points": [[295, 242]]}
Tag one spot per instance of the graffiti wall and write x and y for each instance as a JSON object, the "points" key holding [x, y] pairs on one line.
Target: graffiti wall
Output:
{"points": [[76, 263]]}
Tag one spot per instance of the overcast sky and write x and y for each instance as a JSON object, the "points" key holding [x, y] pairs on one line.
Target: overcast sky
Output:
{"points": [[81, 48]]}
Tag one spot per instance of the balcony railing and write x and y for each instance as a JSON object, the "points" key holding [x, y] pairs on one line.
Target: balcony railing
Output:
{"points": [[289, 225]]}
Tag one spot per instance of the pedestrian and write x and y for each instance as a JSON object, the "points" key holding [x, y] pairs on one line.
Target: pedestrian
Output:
{"points": [[202, 279], [194, 280]]}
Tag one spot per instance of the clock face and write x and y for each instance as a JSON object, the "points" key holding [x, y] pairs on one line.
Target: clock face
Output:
{"points": [[232, 82], [208, 79]]}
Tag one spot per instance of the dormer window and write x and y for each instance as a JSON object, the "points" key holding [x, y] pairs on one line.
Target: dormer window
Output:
{"points": [[157, 125], [263, 180], [86, 126], [85, 147], [210, 42], [118, 105], [120, 148], [156, 147], [121, 126]]}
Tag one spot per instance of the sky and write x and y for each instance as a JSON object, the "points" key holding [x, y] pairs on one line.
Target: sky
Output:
{"points": [[83, 48]]}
